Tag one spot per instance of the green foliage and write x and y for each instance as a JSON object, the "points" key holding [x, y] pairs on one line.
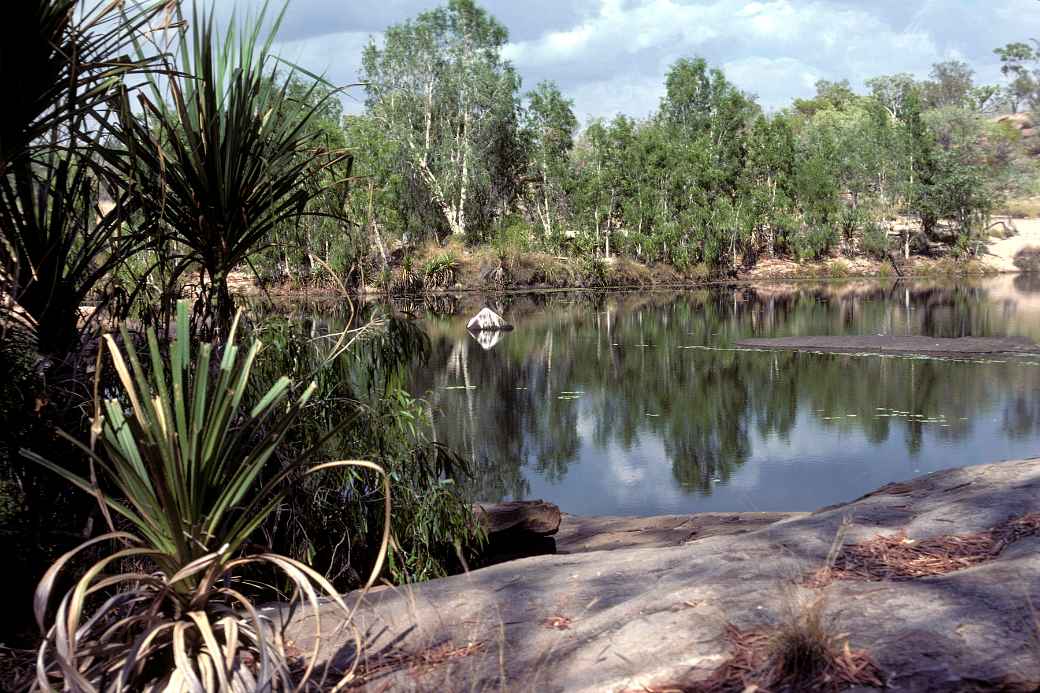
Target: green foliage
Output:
{"points": [[222, 154], [330, 521], [61, 61], [813, 242], [446, 99], [593, 272], [874, 241], [1021, 66], [440, 270], [180, 466]]}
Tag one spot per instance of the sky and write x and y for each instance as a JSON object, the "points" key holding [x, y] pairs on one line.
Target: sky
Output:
{"points": [[610, 56]]}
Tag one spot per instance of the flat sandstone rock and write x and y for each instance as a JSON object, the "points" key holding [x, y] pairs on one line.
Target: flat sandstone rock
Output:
{"points": [[579, 533], [647, 618], [894, 344]]}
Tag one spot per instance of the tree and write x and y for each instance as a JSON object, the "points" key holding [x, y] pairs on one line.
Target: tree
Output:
{"points": [[892, 92], [549, 126], [964, 190], [445, 96], [951, 84], [708, 118], [921, 168], [769, 175], [1021, 66], [829, 95], [221, 155]]}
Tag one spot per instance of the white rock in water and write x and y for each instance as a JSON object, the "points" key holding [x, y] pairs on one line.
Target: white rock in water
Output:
{"points": [[487, 339], [488, 319]]}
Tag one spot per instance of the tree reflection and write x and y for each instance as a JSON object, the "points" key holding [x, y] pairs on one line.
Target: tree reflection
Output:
{"points": [[623, 369]]}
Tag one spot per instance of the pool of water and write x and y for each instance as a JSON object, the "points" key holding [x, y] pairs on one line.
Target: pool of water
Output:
{"points": [[638, 403]]}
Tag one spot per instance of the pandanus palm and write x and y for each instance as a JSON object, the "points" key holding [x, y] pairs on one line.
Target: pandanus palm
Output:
{"points": [[180, 463], [216, 153], [60, 63]]}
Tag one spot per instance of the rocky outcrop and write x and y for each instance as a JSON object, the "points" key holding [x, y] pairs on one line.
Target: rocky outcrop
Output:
{"points": [[642, 618], [519, 517], [898, 344], [517, 529], [1023, 123]]}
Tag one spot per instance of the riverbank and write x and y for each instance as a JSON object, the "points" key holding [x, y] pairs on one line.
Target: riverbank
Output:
{"points": [[434, 269], [925, 585]]}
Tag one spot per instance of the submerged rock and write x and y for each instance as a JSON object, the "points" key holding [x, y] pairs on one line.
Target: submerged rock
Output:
{"points": [[487, 320], [650, 618], [898, 344]]}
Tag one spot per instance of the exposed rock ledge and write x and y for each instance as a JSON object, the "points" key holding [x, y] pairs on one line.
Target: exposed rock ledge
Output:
{"points": [[897, 344], [624, 619]]}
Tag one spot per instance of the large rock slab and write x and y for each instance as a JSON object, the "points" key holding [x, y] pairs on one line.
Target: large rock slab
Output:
{"points": [[580, 533], [625, 619], [895, 344]]}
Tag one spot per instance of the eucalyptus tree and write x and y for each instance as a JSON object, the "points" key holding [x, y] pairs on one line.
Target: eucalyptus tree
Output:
{"points": [[708, 118], [829, 96], [1020, 64], [446, 97], [549, 128], [769, 178], [952, 83], [892, 92]]}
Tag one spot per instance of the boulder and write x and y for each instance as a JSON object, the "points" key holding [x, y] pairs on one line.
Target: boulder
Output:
{"points": [[519, 517], [487, 319], [652, 618], [517, 529]]}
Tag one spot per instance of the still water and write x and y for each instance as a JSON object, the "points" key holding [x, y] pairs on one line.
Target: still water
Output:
{"points": [[638, 403]]}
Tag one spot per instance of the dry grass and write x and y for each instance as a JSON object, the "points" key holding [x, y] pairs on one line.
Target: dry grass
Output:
{"points": [[900, 558], [625, 272], [17, 669], [803, 653], [1022, 208]]}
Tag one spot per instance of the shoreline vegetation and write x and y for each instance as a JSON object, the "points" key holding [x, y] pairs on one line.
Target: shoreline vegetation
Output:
{"points": [[175, 456], [469, 272]]}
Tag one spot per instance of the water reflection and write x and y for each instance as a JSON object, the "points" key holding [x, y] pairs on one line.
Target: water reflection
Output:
{"points": [[639, 404], [487, 339]]}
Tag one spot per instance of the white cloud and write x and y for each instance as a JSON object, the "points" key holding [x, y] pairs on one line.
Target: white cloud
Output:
{"points": [[611, 55]]}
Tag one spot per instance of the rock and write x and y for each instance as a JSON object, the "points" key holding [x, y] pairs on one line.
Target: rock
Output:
{"points": [[487, 319], [639, 618], [896, 344], [487, 339], [579, 534], [529, 517], [517, 529]]}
